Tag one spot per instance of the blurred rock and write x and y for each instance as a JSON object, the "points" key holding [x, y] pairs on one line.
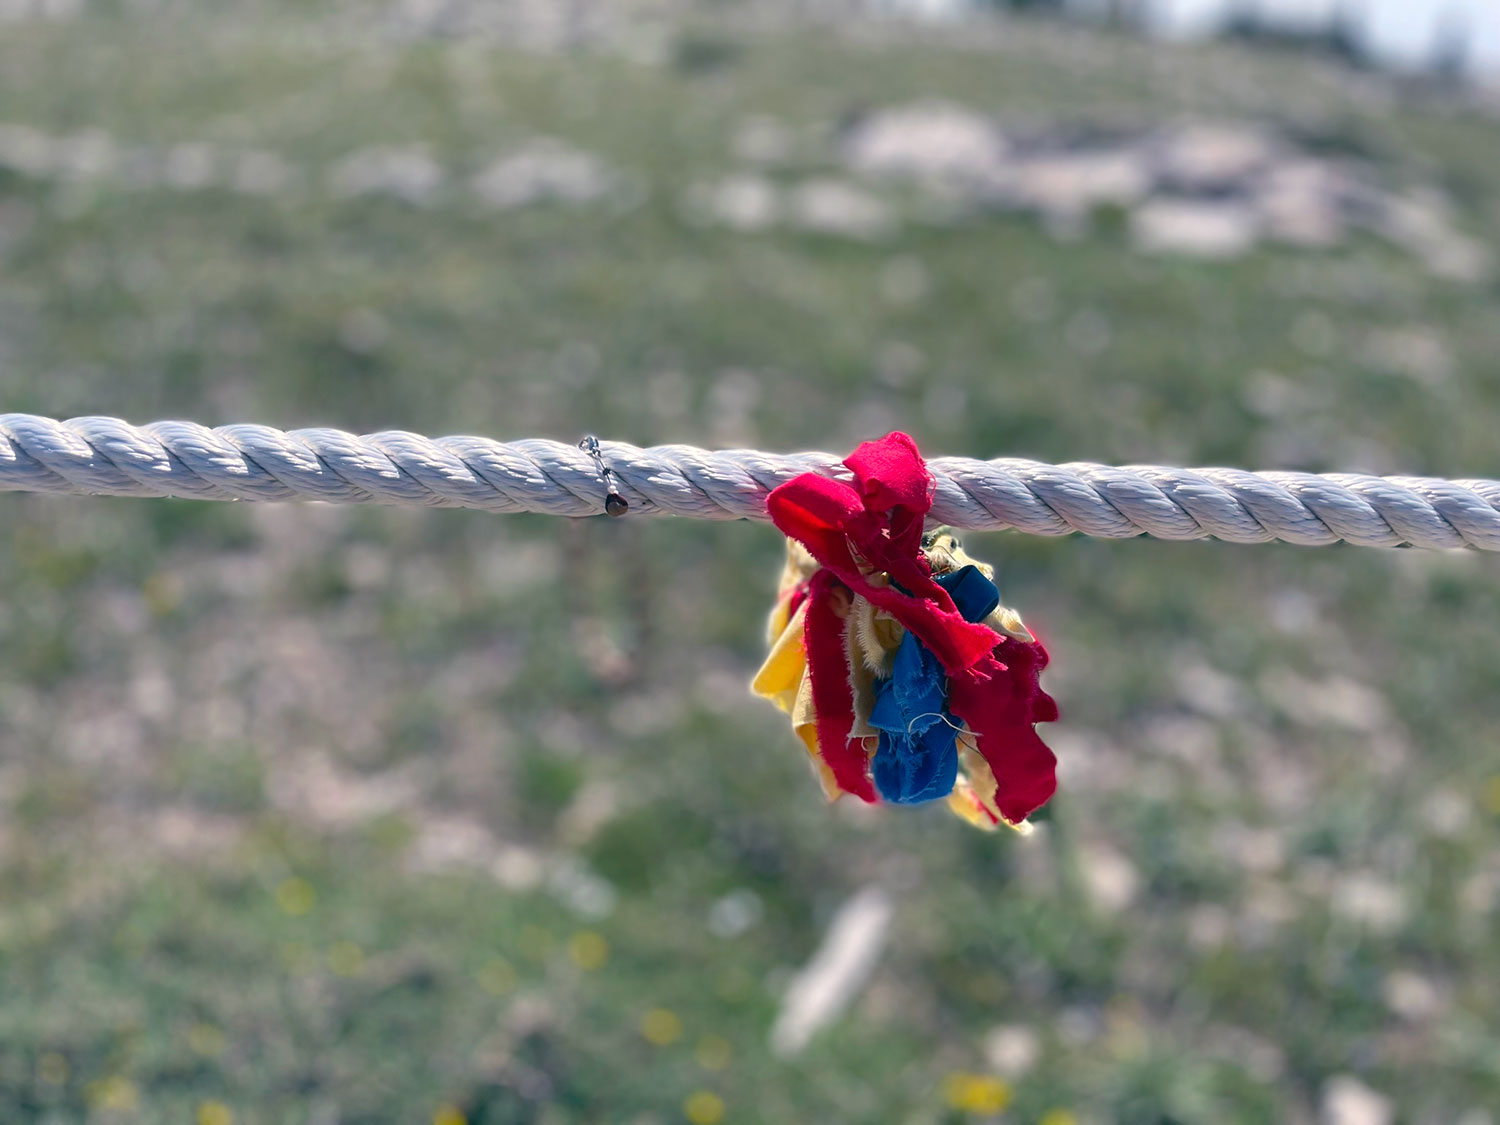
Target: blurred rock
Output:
{"points": [[1189, 739], [55, 11], [1416, 352], [1412, 996], [744, 203], [1336, 701], [407, 173], [1370, 901], [1422, 222], [543, 170], [517, 868], [89, 155], [1212, 157], [26, 151], [189, 167], [1012, 1050], [1193, 228], [261, 173], [582, 891], [1075, 183], [1209, 691], [838, 207], [1088, 760], [450, 844], [1210, 189], [1348, 1101], [939, 144], [316, 789], [193, 833], [843, 963], [1112, 880], [1446, 813], [1301, 202], [763, 140], [543, 26], [735, 913]]}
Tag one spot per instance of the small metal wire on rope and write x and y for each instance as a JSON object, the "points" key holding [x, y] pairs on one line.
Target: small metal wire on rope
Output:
{"points": [[109, 457]]}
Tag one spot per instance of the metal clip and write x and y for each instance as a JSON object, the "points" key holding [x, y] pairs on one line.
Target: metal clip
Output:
{"points": [[614, 503]]}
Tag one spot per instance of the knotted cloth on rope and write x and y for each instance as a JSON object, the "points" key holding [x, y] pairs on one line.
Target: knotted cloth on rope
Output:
{"points": [[106, 456], [904, 677]]}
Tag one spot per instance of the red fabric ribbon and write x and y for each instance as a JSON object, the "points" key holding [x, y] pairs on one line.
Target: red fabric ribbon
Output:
{"points": [[833, 695], [1001, 699], [876, 525], [878, 522]]}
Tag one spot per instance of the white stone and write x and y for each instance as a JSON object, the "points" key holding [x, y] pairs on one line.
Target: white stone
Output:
{"points": [[838, 207], [1422, 222], [543, 170], [850, 951], [1348, 1101], [1111, 880], [734, 913], [1301, 202], [1074, 183], [517, 868], [1193, 228], [1411, 996], [407, 173], [581, 890], [189, 167], [1370, 901], [1446, 813], [89, 155], [744, 203], [1213, 157], [1012, 1050], [1335, 701], [25, 150], [1417, 352], [1209, 691], [935, 142]]}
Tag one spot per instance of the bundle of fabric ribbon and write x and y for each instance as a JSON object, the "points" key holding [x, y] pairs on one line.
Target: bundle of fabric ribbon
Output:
{"points": [[904, 676]]}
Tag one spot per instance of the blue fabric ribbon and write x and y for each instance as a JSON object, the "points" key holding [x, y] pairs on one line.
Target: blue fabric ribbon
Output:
{"points": [[916, 760], [974, 595]]}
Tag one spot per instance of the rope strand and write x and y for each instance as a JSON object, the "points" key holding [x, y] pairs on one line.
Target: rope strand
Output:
{"points": [[106, 456]]}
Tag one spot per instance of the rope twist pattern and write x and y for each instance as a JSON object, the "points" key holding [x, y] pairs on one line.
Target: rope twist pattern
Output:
{"points": [[106, 456]]}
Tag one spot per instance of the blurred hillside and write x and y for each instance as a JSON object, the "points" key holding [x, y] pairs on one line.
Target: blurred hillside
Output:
{"points": [[357, 816]]}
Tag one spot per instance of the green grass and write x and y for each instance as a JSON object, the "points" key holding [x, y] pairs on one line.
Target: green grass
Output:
{"points": [[237, 743]]}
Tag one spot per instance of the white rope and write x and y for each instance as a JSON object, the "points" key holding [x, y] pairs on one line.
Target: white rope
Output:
{"points": [[109, 457]]}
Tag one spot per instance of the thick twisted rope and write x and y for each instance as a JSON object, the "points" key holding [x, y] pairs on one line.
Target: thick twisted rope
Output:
{"points": [[106, 456]]}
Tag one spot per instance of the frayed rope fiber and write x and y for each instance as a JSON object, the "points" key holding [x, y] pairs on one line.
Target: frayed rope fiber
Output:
{"points": [[106, 456]]}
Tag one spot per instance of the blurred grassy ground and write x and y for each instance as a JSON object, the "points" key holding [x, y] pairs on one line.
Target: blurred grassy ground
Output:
{"points": [[386, 816]]}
